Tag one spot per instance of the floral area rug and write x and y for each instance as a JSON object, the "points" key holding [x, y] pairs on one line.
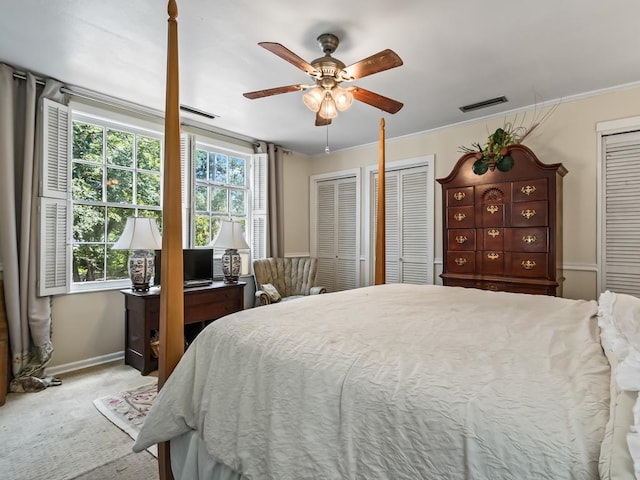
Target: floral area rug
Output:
{"points": [[127, 410]]}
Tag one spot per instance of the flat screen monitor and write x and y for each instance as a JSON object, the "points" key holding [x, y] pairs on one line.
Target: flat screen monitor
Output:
{"points": [[197, 266]]}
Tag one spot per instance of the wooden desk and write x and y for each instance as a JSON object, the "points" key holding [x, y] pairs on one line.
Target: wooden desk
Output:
{"points": [[202, 305]]}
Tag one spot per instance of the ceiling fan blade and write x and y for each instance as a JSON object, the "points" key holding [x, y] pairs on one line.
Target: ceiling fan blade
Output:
{"points": [[321, 121], [273, 91], [286, 54], [375, 100], [378, 62]]}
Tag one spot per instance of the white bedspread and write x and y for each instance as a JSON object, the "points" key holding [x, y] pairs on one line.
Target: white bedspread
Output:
{"points": [[396, 382]]}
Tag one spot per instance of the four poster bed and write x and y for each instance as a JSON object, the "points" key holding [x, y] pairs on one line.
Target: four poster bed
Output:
{"points": [[389, 381]]}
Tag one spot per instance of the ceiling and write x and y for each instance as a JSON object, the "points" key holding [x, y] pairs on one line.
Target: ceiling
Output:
{"points": [[454, 53]]}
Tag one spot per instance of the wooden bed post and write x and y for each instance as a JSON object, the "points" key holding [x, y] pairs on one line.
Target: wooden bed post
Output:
{"points": [[380, 218], [172, 291]]}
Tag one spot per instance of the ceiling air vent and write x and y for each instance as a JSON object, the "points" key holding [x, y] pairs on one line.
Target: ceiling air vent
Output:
{"points": [[195, 111], [483, 104]]}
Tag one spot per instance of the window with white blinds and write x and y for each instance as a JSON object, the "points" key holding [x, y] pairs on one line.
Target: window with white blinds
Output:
{"points": [[337, 233], [408, 222], [620, 231], [59, 207]]}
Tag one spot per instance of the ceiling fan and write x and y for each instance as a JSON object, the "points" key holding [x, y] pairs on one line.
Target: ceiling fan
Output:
{"points": [[326, 97]]}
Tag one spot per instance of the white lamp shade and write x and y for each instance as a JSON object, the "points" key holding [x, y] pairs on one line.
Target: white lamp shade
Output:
{"points": [[313, 98], [230, 236], [328, 107], [140, 233], [342, 97]]}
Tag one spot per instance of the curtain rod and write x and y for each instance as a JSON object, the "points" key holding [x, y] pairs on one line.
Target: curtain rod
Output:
{"points": [[136, 107], [23, 76]]}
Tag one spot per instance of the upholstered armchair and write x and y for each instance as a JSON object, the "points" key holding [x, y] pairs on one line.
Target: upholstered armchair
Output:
{"points": [[283, 279]]}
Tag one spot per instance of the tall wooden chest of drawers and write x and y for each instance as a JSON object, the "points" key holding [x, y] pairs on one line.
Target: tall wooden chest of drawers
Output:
{"points": [[503, 230]]}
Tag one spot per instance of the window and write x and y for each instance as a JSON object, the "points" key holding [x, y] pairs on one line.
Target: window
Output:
{"points": [[221, 191], [99, 168], [115, 174]]}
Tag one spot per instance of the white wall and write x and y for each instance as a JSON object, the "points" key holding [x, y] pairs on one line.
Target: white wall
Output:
{"points": [[568, 136], [92, 324]]}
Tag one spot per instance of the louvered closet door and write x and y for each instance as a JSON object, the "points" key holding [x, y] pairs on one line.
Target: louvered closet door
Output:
{"points": [[336, 234], [621, 214], [414, 234], [408, 238]]}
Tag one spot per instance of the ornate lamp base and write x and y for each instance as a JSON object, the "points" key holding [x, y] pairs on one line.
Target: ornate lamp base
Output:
{"points": [[141, 267], [231, 265]]}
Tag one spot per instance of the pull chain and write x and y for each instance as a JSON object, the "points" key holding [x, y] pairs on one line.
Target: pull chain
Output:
{"points": [[326, 148]]}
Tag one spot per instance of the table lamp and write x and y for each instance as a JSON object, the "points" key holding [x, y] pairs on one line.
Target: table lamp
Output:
{"points": [[140, 235], [231, 238]]}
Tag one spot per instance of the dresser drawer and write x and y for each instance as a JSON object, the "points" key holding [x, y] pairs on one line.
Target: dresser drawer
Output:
{"points": [[529, 214], [491, 262], [495, 286], [530, 265], [530, 190], [460, 217], [527, 239], [492, 214], [457, 197], [492, 239], [461, 262], [461, 239]]}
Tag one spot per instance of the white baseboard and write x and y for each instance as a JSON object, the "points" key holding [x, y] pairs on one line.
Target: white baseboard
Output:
{"points": [[89, 362]]}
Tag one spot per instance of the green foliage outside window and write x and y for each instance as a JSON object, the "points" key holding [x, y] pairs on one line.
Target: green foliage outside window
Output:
{"points": [[114, 172], [220, 192]]}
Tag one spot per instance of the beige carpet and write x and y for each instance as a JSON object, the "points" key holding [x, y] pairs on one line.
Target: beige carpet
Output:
{"points": [[58, 434]]}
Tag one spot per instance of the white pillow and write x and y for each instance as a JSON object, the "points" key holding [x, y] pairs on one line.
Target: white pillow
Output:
{"points": [[619, 322], [272, 291]]}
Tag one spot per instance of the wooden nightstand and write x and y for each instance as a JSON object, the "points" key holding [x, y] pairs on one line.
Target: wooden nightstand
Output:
{"points": [[202, 305]]}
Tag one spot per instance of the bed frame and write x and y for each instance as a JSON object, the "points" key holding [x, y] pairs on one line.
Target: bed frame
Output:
{"points": [[172, 292]]}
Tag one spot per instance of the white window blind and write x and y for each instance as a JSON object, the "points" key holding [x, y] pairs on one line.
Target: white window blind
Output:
{"points": [[621, 214], [186, 147], [259, 206], [54, 206]]}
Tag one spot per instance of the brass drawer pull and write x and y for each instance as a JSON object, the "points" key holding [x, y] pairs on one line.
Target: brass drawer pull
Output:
{"points": [[528, 213], [528, 264], [461, 239], [459, 216], [460, 261], [492, 287], [493, 233], [528, 190], [459, 195], [493, 256], [529, 239], [492, 209]]}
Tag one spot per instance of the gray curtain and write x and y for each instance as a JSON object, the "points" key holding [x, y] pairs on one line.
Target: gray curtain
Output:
{"points": [[28, 316], [275, 203]]}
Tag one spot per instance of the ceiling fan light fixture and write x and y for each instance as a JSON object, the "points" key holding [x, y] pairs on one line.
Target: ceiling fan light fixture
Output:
{"points": [[342, 97], [313, 98], [328, 108]]}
